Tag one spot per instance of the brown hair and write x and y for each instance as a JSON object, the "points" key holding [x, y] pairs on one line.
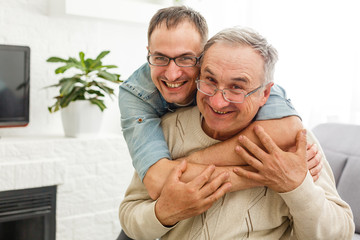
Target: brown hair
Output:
{"points": [[173, 16]]}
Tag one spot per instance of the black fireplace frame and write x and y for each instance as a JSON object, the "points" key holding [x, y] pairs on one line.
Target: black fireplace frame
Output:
{"points": [[30, 203]]}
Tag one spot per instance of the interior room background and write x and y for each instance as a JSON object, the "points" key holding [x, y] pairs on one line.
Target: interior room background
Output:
{"points": [[319, 66]]}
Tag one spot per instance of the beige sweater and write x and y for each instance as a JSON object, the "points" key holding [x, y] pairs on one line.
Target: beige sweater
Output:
{"points": [[311, 211]]}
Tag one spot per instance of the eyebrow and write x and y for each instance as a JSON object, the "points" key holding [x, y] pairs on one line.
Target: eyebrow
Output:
{"points": [[237, 79], [183, 54]]}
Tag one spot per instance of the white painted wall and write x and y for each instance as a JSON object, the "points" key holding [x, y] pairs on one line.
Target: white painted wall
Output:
{"points": [[318, 45], [28, 22]]}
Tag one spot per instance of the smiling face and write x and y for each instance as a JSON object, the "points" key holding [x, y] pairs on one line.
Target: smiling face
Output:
{"points": [[231, 67], [176, 84]]}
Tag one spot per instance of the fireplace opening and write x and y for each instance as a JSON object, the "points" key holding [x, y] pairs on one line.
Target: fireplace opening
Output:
{"points": [[28, 214]]}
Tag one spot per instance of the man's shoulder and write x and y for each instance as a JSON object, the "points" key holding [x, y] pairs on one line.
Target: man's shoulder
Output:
{"points": [[140, 82]]}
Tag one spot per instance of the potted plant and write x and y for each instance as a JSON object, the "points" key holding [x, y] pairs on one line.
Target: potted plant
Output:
{"points": [[84, 90]]}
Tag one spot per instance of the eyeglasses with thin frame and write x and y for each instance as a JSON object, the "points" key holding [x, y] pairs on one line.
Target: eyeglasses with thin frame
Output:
{"points": [[230, 95], [181, 61]]}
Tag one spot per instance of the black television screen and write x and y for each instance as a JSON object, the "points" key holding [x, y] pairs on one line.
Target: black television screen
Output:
{"points": [[14, 85]]}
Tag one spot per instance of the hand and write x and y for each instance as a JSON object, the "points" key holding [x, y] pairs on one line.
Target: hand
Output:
{"points": [[179, 200], [281, 171], [313, 157]]}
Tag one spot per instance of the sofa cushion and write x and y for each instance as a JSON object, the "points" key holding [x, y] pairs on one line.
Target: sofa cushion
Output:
{"points": [[349, 187], [338, 141], [337, 162], [356, 237], [342, 138]]}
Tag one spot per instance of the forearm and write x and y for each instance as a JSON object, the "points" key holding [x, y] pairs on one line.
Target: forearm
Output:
{"points": [[158, 173], [140, 123], [282, 131]]}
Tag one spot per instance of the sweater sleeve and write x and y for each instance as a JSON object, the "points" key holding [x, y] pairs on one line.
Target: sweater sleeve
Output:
{"points": [[316, 209], [137, 213]]}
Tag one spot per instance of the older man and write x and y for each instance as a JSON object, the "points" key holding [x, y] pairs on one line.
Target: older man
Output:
{"points": [[176, 38], [235, 81]]}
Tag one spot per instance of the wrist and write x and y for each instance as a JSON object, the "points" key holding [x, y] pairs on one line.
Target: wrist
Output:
{"points": [[163, 216]]}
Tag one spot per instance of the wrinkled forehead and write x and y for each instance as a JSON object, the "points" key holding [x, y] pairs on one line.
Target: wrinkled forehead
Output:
{"points": [[238, 62]]}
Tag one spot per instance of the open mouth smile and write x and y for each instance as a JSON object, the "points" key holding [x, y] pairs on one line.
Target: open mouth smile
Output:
{"points": [[174, 85], [219, 112]]}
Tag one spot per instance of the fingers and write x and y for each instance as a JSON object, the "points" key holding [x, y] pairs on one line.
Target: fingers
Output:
{"points": [[265, 139], [315, 166], [247, 157], [179, 170], [311, 151], [217, 187], [242, 172], [316, 171], [314, 161], [301, 142], [203, 178], [219, 193]]}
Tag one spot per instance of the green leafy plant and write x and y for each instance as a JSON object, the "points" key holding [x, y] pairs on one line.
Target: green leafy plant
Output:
{"points": [[88, 83]]}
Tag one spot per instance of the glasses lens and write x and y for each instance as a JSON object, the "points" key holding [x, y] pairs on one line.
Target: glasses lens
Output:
{"points": [[185, 61], [206, 88], [158, 60], [234, 96]]}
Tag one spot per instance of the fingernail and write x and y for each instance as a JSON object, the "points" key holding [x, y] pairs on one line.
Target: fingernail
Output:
{"points": [[241, 137], [304, 131], [238, 148]]}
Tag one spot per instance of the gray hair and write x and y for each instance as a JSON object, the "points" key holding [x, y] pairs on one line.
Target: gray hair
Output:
{"points": [[173, 16], [248, 37]]}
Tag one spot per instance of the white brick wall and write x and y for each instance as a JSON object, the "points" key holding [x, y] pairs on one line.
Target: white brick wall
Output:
{"points": [[28, 22], [92, 175]]}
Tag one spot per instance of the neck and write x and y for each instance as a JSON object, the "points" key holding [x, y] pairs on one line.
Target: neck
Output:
{"points": [[221, 136]]}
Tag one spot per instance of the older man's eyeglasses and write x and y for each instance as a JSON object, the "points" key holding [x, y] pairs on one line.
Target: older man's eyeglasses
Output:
{"points": [[181, 61], [230, 95]]}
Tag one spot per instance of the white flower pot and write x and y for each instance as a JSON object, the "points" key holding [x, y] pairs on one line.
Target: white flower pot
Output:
{"points": [[81, 119]]}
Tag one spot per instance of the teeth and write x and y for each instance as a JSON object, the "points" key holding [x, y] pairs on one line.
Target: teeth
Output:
{"points": [[219, 112], [173, 85]]}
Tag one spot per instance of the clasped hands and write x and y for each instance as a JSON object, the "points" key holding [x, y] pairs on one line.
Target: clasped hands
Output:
{"points": [[279, 170]]}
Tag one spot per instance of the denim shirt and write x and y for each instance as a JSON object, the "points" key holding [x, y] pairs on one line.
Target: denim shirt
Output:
{"points": [[142, 106]]}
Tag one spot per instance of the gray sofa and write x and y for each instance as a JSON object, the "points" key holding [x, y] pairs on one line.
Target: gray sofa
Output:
{"points": [[341, 144]]}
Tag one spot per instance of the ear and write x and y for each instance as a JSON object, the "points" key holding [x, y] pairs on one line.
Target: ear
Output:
{"points": [[147, 48], [266, 93]]}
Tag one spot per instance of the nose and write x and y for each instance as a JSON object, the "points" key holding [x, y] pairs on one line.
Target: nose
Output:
{"points": [[218, 101], [173, 71]]}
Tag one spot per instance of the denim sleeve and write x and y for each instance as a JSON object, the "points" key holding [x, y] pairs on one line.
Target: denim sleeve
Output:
{"points": [[277, 106], [140, 121]]}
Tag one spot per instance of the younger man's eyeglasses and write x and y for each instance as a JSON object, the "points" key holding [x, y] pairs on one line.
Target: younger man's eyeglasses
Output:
{"points": [[181, 61]]}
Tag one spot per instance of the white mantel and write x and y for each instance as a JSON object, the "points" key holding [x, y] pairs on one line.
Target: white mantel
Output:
{"points": [[92, 175]]}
